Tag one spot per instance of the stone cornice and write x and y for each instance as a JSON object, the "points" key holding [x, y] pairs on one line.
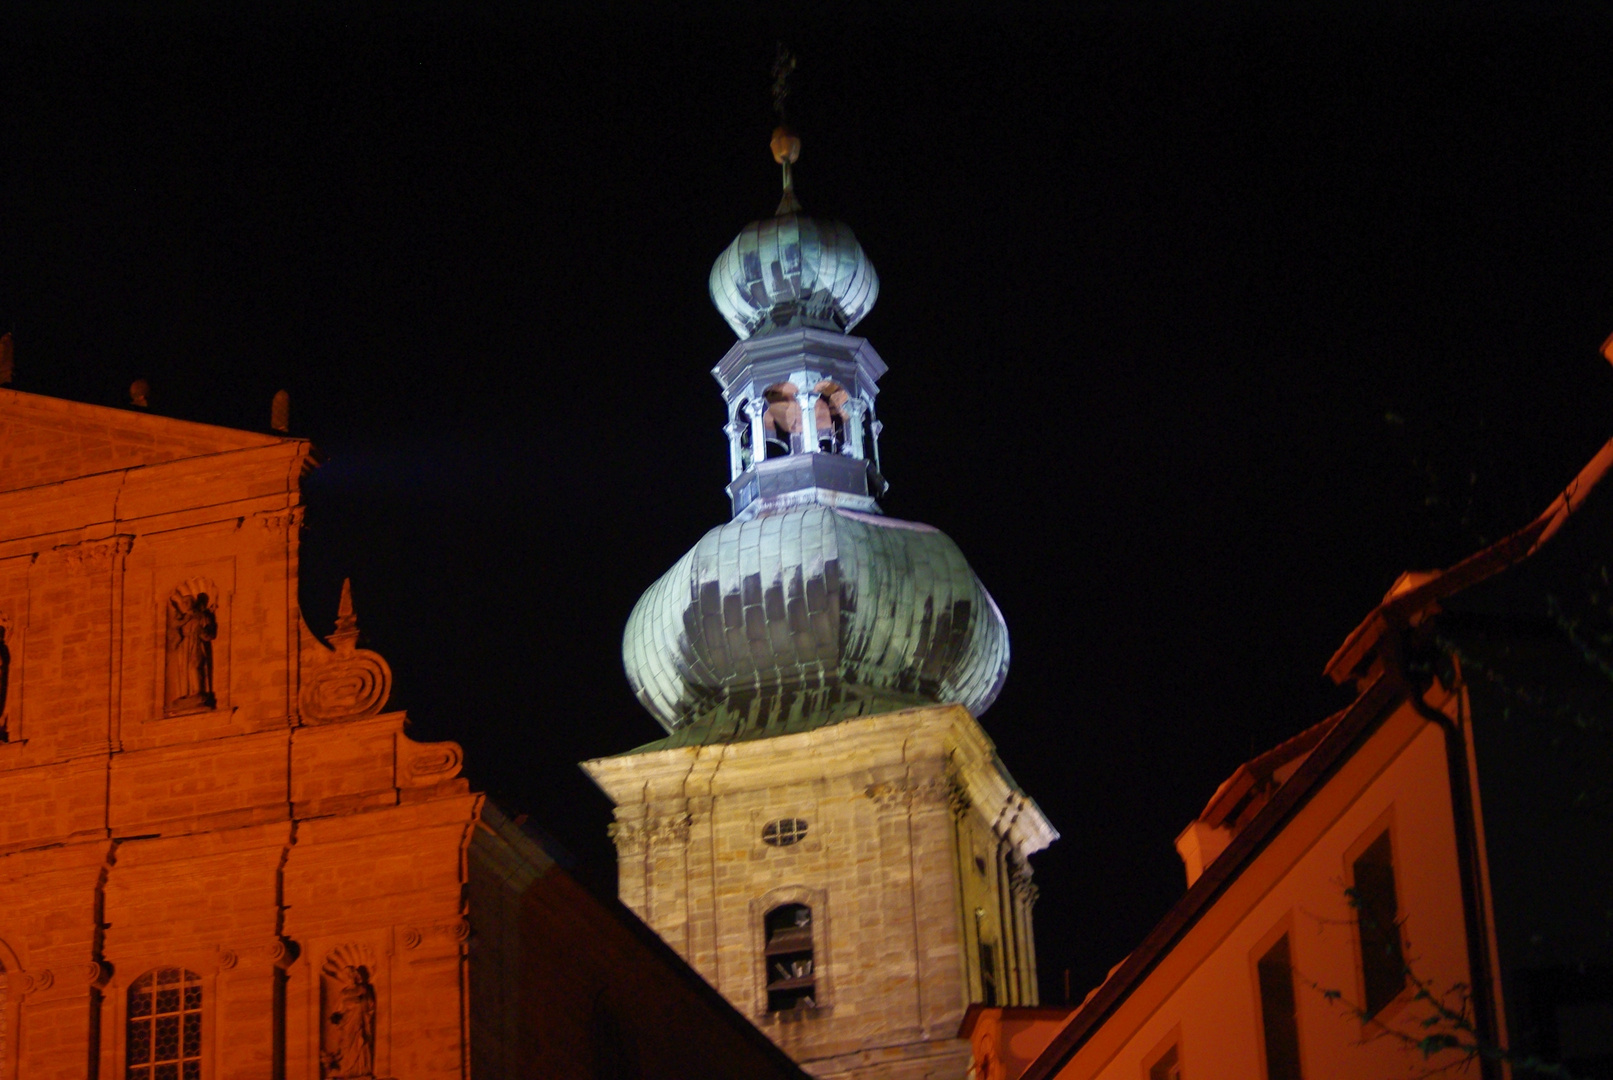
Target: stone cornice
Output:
{"points": [[925, 745]]}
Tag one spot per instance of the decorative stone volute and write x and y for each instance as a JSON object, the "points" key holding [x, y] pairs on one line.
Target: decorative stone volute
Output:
{"points": [[342, 681]]}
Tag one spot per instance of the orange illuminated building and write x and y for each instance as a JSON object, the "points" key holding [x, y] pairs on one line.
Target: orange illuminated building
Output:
{"points": [[221, 858], [1414, 884]]}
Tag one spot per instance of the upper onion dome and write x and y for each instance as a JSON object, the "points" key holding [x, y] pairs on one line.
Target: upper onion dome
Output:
{"points": [[792, 270]]}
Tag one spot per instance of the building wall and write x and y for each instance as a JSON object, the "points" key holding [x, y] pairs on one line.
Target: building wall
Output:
{"points": [[898, 809], [1203, 996], [248, 841], [566, 986]]}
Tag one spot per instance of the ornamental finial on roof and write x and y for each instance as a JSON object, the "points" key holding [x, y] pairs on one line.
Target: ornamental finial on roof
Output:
{"points": [[786, 151], [786, 147], [346, 635]]}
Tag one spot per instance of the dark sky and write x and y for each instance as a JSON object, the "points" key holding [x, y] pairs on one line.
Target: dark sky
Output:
{"points": [[1204, 321]]}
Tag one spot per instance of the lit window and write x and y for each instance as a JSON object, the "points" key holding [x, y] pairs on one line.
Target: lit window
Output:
{"points": [[164, 1030], [1377, 917], [1278, 1018], [784, 832], [790, 979]]}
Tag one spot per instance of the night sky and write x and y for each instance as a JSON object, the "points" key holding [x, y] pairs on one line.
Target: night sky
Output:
{"points": [[1204, 321]]}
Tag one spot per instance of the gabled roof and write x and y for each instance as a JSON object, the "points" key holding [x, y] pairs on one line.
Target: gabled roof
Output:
{"points": [[1420, 597], [1340, 739], [1320, 750], [46, 440]]}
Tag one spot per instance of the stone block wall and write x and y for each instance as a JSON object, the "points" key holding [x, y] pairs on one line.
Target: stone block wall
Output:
{"points": [[897, 807]]}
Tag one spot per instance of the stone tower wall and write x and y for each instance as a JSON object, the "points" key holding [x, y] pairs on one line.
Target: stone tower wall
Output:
{"points": [[896, 807]]}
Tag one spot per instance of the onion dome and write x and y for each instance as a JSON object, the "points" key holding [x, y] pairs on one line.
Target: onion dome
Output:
{"points": [[792, 270], [791, 620]]}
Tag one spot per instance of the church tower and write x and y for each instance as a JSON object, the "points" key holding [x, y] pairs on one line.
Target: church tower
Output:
{"points": [[826, 833]]}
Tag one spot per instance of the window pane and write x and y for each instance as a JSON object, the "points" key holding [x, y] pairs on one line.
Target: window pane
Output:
{"points": [[1377, 909], [139, 1043], [165, 1044], [193, 1034], [139, 1003], [193, 997], [193, 1070], [1277, 1013], [168, 1000], [166, 1072]]}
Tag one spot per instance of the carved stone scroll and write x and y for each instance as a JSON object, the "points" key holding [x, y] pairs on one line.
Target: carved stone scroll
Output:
{"points": [[343, 682]]}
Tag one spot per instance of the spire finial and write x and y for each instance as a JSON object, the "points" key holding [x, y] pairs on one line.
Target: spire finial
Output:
{"points": [[280, 412], [786, 147], [346, 635]]}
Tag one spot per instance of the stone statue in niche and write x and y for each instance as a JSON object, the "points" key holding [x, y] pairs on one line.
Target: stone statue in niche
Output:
{"points": [[347, 1028], [192, 629]]}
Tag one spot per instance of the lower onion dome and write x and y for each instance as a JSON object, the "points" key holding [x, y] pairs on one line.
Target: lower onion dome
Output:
{"points": [[797, 619]]}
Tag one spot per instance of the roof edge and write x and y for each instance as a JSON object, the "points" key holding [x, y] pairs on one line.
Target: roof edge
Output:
{"points": [[1352, 658], [1358, 721]]}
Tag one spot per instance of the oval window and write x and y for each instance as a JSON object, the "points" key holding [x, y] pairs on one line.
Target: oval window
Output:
{"points": [[783, 832]]}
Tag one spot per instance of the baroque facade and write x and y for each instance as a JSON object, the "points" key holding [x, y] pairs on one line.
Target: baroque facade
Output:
{"points": [[826, 833], [221, 858]]}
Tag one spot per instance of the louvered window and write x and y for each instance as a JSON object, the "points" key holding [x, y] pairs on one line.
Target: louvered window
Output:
{"points": [[791, 981]]}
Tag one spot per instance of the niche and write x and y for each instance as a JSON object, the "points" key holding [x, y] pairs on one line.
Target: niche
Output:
{"points": [[347, 1014]]}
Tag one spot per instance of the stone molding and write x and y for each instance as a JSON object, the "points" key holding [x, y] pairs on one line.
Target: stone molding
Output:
{"points": [[896, 795], [92, 554], [627, 836], [30, 982], [290, 518], [631, 837], [937, 739], [278, 951], [456, 933]]}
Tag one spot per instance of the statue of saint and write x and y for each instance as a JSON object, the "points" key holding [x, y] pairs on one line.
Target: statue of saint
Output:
{"points": [[354, 1020], [192, 627]]}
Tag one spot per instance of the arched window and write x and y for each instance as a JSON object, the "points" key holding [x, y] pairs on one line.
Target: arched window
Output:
{"points": [[163, 1033], [740, 432], [781, 423], [788, 954], [870, 446], [830, 416]]}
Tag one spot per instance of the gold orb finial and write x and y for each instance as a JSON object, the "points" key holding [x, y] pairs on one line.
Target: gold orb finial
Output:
{"points": [[786, 146]]}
